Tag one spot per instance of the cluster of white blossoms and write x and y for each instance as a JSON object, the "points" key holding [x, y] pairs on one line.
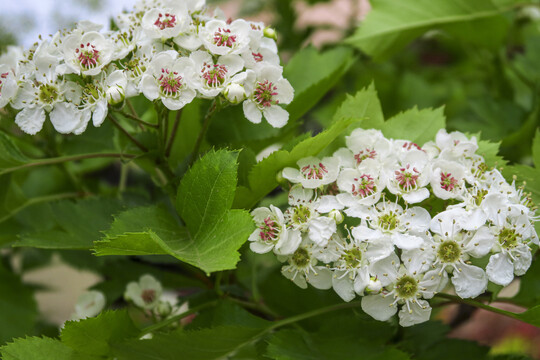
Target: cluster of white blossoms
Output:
{"points": [[169, 50], [421, 220]]}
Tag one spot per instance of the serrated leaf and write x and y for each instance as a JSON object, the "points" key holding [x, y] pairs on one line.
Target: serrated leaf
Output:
{"points": [[207, 190], [18, 310], [78, 224], [390, 25], [262, 177], [94, 336], [490, 151], [363, 106], [36, 348], [418, 126], [312, 74]]}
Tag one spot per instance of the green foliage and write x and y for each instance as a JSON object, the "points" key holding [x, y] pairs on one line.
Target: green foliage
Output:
{"points": [[10, 155], [212, 233], [390, 25], [418, 126], [47, 348]]}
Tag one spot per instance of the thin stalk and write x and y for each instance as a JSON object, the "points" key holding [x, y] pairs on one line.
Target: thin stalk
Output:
{"points": [[137, 119], [255, 306], [477, 304], [62, 159], [41, 199], [170, 141], [202, 133], [131, 108], [133, 140]]}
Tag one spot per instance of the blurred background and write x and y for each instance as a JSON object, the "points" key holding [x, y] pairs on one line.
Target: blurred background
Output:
{"points": [[489, 87]]}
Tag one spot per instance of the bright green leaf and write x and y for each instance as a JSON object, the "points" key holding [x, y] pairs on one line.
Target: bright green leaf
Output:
{"points": [[37, 348], [418, 126]]}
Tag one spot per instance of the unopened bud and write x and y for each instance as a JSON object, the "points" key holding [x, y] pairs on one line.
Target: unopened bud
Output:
{"points": [[235, 93], [115, 95], [270, 33], [164, 308], [374, 286], [336, 215]]}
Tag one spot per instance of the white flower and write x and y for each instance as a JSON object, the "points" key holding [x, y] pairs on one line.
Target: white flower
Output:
{"points": [[164, 23], [313, 172], [302, 269], [448, 179], [363, 145], [165, 79], [221, 38], [146, 293], [210, 78], [115, 87], [89, 304], [266, 89], [359, 187], [272, 233], [265, 52], [8, 85], [402, 286], [409, 177], [235, 93], [86, 54], [455, 145]]}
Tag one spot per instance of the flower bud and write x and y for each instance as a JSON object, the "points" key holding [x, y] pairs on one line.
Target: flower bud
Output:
{"points": [[374, 286], [235, 93], [164, 308], [336, 215], [270, 33], [115, 95]]}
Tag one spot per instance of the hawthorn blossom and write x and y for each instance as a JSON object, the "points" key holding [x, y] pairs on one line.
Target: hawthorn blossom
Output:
{"points": [[86, 53], [313, 172], [272, 232], [146, 293], [301, 269], [221, 38]]}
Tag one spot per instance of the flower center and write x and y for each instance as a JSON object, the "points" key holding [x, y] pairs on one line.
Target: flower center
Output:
{"points": [[264, 93], [314, 171], [406, 287], [165, 21], [148, 296], [365, 186], [269, 231], [449, 251], [364, 154], [411, 145], [48, 94], [508, 238], [91, 93], [479, 197], [352, 258], [214, 75], [257, 57], [407, 178], [388, 221], [170, 83], [301, 214], [88, 56], [301, 258], [223, 37], [448, 182]]}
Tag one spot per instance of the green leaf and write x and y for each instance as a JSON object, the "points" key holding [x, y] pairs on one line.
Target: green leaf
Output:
{"points": [[531, 316], [418, 126], [78, 224], [262, 178], [364, 106], [390, 25], [36, 348], [94, 336], [213, 233], [529, 289], [10, 155], [207, 344], [490, 150], [536, 149], [312, 74], [18, 309], [207, 190]]}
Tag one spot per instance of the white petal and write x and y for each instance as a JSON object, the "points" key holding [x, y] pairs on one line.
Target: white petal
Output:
{"points": [[386, 270], [321, 229], [475, 220], [260, 247], [470, 282], [361, 280], [65, 117], [289, 242], [379, 307], [500, 269], [252, 112], [321, 279], [416, 196], [30, 120], [419, 313], [481, 243], [276, 116], [378, 250], [416, 218], [407, 242], [297, 278], [327, 203], [100, 112], [343, 286], [523, 260]]}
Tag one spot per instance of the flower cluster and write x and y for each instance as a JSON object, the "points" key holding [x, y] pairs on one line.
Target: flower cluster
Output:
{"points": [[170, 51], [396, 223]]}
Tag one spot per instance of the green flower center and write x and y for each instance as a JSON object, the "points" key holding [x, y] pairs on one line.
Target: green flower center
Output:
{"points": [[352, 258], [407, 287], [508, 238], [479, 197], [449, 251], [388, 221], [301, 257], [301, 214], [48, 94]]}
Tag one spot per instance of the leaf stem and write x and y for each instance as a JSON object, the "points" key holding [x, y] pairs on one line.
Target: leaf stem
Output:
{"points": [[170, 141], [477, 304], [211, 110], [62, 159], [137, 119], [133, 140]]}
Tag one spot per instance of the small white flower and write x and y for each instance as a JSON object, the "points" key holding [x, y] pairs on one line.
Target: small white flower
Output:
{"points": [[272, 233], [89, 304], [235, 93], [86, 54], [313, 172], [448, 179], [221, 38], [409, 177], [8, 85], [115, 87], [146, 293], [302, 269], [455, 146], [266, 89], [164, 23]]}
